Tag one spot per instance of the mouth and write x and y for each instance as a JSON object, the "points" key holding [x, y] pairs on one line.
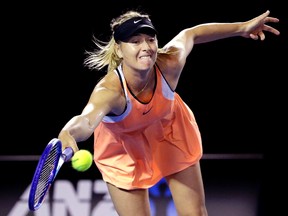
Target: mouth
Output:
{"points": [[145, 57]]}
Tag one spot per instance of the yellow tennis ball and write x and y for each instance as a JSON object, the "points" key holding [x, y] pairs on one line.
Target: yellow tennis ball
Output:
{"points": [[82, 160]]}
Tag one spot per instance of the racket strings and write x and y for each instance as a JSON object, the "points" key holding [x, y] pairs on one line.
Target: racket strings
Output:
{"points": [[47, 173]]}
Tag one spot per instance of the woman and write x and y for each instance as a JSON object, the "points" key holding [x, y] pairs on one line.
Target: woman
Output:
{"points": [[143, 130]]}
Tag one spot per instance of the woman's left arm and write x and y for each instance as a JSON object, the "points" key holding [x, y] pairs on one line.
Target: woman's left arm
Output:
{"points": [[254, 28], [182, 44]]}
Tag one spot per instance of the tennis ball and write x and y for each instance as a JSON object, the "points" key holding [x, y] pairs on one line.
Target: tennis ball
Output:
{"points": [[82, 160]]}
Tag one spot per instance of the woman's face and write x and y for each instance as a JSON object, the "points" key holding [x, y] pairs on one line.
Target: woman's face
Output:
{"points": [[139, 51]]}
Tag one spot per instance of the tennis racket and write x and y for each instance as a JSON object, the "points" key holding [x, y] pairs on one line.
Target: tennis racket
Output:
{"points": [[48, 166]]}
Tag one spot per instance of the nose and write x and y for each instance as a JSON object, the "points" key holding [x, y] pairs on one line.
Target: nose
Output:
{"points": [[146, 45]]}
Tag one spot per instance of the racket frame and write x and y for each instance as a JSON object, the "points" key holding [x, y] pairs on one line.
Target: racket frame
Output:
{"points": [[36, 198]]}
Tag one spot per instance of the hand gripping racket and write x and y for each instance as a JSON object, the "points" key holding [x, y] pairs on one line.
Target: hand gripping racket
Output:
{"points": [[48, 166]]}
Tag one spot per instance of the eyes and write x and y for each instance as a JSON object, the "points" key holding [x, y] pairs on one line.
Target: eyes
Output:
{"points": [[138, 39]]}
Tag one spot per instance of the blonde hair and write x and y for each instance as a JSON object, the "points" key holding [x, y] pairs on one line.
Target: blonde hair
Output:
{"points": [[105, 54]]}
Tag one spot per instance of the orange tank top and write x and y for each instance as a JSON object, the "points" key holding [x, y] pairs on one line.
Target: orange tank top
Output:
{"points": [[148, 141]]}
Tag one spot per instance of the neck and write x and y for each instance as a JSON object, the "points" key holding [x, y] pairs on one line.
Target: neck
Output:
{"points": [[138, 87], [146, 84]]}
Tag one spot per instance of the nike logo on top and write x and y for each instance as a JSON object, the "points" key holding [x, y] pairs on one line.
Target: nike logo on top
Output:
{"points": [[136, 21], [145, 112]]}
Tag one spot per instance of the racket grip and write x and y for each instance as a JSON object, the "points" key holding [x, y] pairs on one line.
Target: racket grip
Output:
{"points": [[67, 153]]}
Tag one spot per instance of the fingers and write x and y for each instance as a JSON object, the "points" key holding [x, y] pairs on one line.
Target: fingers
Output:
{"points": [[272, 19], [271, 29], [264, 15], [261, 35], [256, 37], [261, 26]]}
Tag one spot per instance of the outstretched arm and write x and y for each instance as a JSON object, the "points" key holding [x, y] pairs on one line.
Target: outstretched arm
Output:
{"points": [[105, 98], [182, 44], [254, 28]]}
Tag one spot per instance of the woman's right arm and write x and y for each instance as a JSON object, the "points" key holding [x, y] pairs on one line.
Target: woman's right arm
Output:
{"points": [[103, 100]]}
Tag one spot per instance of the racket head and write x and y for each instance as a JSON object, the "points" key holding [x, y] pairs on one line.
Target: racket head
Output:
{"points": [[45, 173]]}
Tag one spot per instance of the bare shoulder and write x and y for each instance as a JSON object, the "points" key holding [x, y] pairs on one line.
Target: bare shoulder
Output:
{"points": [[110, 82], [109, 93], [171, 63]]}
